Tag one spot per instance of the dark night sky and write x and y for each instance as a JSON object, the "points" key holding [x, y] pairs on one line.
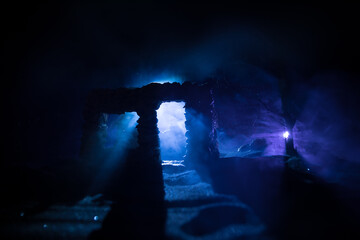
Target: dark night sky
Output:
{"points": [[53, 54]]}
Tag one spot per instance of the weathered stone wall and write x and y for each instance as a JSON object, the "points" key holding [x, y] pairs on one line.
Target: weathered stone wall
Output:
{"points": [[201, 143]]}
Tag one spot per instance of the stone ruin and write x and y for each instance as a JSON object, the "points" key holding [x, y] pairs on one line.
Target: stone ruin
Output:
{"points": [[201, 147]]}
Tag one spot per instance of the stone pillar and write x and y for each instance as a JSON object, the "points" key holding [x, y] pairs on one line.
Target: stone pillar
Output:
{"points": [[148, 134], [201, 134], [139, 211], [144, 164], [196, 136], [213, 143], [289, 145]]}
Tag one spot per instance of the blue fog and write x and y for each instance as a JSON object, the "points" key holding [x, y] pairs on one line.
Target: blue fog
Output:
{"points": [[171, 124], [118, 136]]}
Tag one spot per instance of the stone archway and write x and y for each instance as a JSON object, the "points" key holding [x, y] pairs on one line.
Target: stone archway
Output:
{"points": [[199, 104]]}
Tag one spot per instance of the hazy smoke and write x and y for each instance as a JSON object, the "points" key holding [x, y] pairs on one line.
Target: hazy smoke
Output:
{"points": [[171, 124]]}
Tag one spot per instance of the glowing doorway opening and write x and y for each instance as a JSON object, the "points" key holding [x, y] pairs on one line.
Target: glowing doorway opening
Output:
{"points": [[171, 124]]}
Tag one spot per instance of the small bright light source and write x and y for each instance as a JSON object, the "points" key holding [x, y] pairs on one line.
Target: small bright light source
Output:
{"points": [[286, 134]]}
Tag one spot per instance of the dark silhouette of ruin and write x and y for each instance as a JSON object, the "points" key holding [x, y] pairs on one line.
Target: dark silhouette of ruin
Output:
{"points": [[143, 165], [145, 101], [277, 193]]}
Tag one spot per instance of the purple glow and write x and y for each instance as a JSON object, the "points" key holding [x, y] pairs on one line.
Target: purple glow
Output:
{"points": [[324, 136], [286, 135], [261, 135]]}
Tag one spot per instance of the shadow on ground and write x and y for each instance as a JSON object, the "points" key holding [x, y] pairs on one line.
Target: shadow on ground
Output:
{"points": [[214, 218], [293, 205], [138, 210]]}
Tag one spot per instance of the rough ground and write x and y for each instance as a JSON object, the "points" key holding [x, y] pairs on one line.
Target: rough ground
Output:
{"points": [[194, 211]]}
